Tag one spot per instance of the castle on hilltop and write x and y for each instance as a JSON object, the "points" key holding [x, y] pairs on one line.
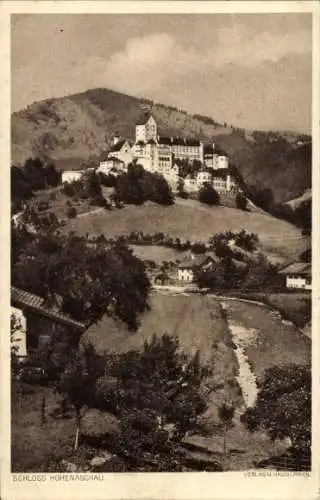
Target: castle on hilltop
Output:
{"points": [[164, 155]]}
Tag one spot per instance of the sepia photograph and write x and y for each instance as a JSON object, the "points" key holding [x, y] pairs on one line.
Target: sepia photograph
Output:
{"points": [[161, 243]]}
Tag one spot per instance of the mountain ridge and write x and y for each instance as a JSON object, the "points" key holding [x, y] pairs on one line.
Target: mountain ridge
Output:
{"points": [[77, 127]]}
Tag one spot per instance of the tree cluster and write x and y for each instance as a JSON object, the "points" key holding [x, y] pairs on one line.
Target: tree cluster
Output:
{"points": [[156, 393], [34, 175], [220, 242], [283, 407], [138, 185], [86, 188], [90, 277]]}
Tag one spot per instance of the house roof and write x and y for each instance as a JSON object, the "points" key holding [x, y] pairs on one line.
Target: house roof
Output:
{"points": [[195, 262], [151, 141], [140, 143], [118, 146], [297, 268], [21, 298], [115, 160]]}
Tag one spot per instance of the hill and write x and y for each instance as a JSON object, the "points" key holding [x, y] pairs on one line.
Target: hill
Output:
{"points": [[74, 128], [296, 202], [189, 219]]}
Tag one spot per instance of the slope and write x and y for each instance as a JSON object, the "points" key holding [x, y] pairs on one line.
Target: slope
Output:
{"points": [[189, 219], [74, 128]]}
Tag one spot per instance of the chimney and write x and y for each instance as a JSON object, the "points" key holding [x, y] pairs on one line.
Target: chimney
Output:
{"points": [[116, 138]]}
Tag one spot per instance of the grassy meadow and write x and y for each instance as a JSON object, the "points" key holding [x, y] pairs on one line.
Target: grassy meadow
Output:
{"points": [[189, 219]]}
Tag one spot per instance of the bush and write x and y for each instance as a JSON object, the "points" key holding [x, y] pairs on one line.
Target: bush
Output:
{"points": [[209, 196], [198, 248], [71, 213], [137, 186], [107, 180], [241, 201]]}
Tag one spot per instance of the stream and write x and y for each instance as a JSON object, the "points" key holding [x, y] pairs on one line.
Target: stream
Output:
{"points": [[243, 337]]}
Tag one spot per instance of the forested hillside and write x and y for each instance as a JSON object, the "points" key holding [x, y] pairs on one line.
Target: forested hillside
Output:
{"points": [[73, 129]]}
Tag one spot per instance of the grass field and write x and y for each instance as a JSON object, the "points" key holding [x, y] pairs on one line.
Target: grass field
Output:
{"points": [[195, 320], [198, 323], [190, 219], [158, 253]]}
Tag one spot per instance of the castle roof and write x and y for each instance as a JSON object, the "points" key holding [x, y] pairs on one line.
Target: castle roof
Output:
{"points": [[208, 149], [179, 141], [144, 117], [117, 147]]}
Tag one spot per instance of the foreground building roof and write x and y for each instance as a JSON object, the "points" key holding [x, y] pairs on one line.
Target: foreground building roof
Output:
{"points": [[26, 300], [297, 268]]}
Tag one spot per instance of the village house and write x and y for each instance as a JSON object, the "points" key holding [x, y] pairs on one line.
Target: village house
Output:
{"points": [[190, 184], [204, 177], [71, 175], [38, 322], [188, 268], [112, 165], [121, 149], [214, 159], [297, 276]]}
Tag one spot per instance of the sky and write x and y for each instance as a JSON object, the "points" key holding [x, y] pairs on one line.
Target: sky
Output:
{"points": [[248, 70]]}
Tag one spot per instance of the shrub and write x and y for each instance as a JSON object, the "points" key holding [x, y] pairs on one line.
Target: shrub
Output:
{"points": [[107, 180], [241, 201], [209, 196], [71, 213], [198, 248]]}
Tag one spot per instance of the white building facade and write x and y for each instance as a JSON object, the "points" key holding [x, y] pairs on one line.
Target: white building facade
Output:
{"points": [[71, 175]]}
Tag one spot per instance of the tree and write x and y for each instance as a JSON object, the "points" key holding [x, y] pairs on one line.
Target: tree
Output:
{"points": [[208, 195], [77, 384], [198, 248], [241, 201], [137, 186], [226, 414], [283, 406], [91, 277], [160, 397], [107, 180], [71, 213]]}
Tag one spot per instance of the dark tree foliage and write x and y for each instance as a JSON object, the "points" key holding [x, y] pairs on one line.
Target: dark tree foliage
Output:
{"points": [[247, 241], [107, 180], [138, 185], [263, 198], [306, 256], [198, 248], [283, 407], [20, 185], [159, 398], [92, 278], [209, 196], [77, 383], [86, 188], [241, 201], [71, 213], [187, 167]]}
